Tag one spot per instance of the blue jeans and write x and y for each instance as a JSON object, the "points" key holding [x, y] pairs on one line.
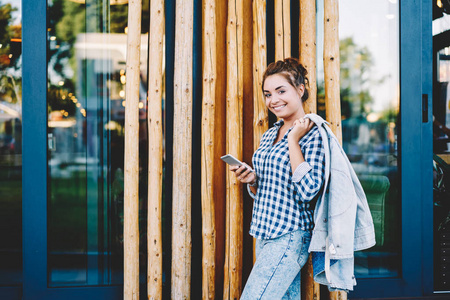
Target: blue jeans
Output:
{"points": [[276, 273]]}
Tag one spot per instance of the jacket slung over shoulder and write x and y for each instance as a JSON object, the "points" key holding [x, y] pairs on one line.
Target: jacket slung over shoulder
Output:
{"points": [[343, 222]]}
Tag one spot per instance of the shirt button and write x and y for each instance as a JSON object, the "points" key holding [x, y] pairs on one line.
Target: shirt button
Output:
{"points": [[324, 248], [325, 220]]}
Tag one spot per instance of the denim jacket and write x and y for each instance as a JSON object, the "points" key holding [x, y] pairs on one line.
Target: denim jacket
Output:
{"points": [[343, 222]]}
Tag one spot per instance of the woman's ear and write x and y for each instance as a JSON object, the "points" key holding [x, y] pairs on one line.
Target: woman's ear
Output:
{"points": [[301, 90]]}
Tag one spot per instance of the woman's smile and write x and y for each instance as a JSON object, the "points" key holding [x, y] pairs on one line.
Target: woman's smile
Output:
{"points": [[279, 107]]}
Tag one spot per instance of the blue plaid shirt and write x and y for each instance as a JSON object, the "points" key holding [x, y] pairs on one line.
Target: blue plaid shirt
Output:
{"points": [[283, 200]]}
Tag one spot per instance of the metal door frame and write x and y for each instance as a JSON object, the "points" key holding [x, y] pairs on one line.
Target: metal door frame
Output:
{"points": [[416, 148]]}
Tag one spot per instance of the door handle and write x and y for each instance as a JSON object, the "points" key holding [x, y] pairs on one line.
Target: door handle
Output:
{"points": [[424, 108]]}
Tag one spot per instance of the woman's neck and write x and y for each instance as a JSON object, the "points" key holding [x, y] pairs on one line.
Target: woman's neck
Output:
{"points": [[289, 122]]}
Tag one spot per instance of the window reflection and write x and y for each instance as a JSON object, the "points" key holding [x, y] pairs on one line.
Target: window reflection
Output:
{"points": [[10, 143], [369, 84], [441, 147], [86, 105]]}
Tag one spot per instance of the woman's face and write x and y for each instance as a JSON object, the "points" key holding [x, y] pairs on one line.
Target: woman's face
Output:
{"points": [[282, 98]]}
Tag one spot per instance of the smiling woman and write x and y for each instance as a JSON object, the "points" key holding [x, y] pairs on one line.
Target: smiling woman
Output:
{"points": [[289, 171]]}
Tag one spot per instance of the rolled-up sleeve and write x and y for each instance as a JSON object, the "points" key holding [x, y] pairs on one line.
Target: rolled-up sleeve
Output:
{"points": [[301, 170], [309, 175], [250, 192]]}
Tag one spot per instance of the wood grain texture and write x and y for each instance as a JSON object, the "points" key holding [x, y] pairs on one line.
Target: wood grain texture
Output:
{"points": [[260, 112], [307, 49], [332, 89], [182, 151], [131, 180], [332, 66], [234, 96], [310, 289], [307, 55], [155, 149], [282, 29], [212, 139], [208, 143], [220, 168]]}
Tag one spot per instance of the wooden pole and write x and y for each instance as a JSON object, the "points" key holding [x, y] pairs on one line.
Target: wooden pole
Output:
{"points": [[208, 164], [220, 168], [310, 288], [131, 180], [182, 144], [234, 95], [247, 135], [155, 149], [207, 156], [332, 66], [307, 49], [260, 113], [282, 29], [332, 90], [213, 146]]}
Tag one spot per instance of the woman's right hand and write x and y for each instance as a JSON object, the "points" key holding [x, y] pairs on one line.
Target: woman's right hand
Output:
{"points": [[301, 127], [244, 173]]}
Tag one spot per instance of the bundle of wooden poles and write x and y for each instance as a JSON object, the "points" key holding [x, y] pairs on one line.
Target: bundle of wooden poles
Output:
{"points": [[234, 39]]}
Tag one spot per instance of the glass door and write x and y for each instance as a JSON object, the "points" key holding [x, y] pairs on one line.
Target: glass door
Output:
{"points": [[73, 206], [385, 84], [10, 149], [441, 145], [398, 150]]}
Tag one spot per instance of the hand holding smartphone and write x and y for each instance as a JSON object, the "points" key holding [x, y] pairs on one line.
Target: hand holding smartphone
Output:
{"points": [[233, 161]]}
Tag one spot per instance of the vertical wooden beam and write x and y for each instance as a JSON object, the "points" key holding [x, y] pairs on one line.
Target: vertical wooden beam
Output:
{"points": [[234, 96], [260, 113], [282, 29], [307, 55], [207, 156], [182, 144], [155, 149], [247, 136], [307, 49], [131, 184], [287, 28], [332, 90], [213, 92], [331, 63], [310, 288], [220, 169]]}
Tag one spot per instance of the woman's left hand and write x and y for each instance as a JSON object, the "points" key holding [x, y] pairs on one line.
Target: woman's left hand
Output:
{"points": [[301, 127]]}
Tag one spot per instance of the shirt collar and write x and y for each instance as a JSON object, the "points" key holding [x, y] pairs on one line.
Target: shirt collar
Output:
{"points": [[279, 123]]}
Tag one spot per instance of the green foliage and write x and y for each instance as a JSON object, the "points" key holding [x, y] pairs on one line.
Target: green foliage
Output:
{"points": [[119, 18], [356, 65], [7, 31], [70, 22], [5, 20]]}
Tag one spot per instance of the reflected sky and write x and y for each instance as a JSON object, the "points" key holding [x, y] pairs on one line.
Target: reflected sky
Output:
{"points": [[375, 25]]}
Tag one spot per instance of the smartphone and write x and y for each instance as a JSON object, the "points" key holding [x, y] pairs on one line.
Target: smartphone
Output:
{"points": [[232, 161]]}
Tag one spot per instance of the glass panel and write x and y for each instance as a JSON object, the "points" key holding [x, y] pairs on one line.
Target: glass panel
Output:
{"points": [[10, 143], [86, 103], [369, 79], [441, 148]]}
